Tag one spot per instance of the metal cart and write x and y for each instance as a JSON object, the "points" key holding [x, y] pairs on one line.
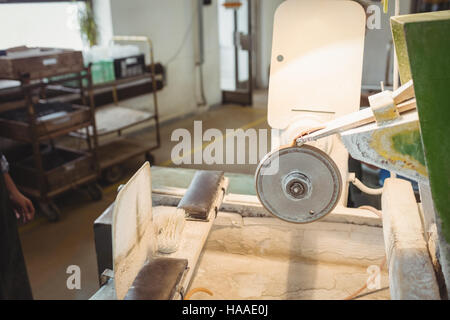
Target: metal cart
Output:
{"points": [[113, 120], [41, 169]]}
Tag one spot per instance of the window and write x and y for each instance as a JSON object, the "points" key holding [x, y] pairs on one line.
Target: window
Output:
{"points": [[43, 24]]}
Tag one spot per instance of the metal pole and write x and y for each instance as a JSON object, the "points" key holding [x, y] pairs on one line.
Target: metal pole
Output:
{"points": [[396, 79], [201, 52], [201, 39]]}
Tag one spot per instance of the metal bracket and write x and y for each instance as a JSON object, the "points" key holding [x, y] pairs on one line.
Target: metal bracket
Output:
{"points": [[180, 289], [106, 276]]}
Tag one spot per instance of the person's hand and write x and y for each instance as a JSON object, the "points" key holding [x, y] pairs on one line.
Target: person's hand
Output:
{"points": [[23, 207]]}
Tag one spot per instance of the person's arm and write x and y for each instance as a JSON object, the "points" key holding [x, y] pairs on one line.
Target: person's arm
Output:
{"points": [[22, 206]]}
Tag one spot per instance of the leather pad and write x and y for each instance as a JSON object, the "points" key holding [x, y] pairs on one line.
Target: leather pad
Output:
{"points": [[202, 192], [157, 280]]}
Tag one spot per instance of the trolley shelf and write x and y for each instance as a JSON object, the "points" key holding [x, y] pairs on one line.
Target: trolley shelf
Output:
{"points": [[34, 192], [63, 169], [120, 150], [111, 119], [15, 126], [38, 63], [73, 93], [122, 81]]}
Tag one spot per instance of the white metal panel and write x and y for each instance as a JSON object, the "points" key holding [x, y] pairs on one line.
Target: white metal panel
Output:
{"points": [[317, 59], [132, 229]]}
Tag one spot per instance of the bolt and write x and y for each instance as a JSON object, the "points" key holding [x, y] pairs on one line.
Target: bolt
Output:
{"points": [[296, 186], [296, 189]]}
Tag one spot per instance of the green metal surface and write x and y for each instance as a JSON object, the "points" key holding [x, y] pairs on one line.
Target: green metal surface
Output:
{"points": [[409, 143], [422, 42]]}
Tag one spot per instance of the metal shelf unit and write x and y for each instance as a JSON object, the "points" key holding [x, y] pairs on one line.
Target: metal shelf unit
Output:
{"points": [[121, 149], [33, 169]]}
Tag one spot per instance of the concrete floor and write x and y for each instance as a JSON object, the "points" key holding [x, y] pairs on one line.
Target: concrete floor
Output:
{"points": [[50, 248]]}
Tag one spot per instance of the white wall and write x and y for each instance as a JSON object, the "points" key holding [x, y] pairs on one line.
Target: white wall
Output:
{"points": [[375, 52], [102, 13], [166, 23], [40, 24]]}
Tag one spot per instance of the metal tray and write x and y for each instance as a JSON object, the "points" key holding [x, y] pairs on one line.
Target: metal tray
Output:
{"points": [[37, 63], [53, 119], [62, 168]]}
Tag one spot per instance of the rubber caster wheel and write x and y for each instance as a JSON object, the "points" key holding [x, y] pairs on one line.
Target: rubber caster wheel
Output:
{"points": [[50, 211], [95, 192], [150, 158], [113, 174]]}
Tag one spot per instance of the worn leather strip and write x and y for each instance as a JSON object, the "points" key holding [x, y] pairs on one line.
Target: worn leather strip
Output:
{"points": [[203, 190], [157, 280]]}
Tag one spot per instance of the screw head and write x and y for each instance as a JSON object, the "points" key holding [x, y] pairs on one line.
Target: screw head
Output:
{"points": [[296, 189], [296, 186], [280, 58]]}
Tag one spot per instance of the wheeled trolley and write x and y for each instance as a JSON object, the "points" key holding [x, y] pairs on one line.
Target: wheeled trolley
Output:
{"points": [[41, 168]]}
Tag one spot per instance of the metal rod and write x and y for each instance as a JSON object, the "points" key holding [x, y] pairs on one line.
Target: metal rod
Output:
{"points": [[236, 49], [32, 119], [90, 90], [201, 52], [201, 39], [250, 52], [396, 79]]}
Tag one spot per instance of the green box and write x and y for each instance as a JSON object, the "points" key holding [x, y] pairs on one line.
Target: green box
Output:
{"points": [[422, 42], [102, 72]]}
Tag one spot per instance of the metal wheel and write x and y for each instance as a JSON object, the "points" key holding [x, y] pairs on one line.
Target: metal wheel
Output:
{"points": [[113, 174], [95, 192], [50, 211], [299, 185]]}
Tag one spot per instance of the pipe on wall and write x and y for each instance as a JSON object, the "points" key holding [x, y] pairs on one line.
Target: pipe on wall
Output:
{"points": [[201, 52]]}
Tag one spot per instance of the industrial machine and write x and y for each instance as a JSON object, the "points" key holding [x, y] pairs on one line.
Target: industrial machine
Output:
{"points": [[311, 82], [314, 110]]}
